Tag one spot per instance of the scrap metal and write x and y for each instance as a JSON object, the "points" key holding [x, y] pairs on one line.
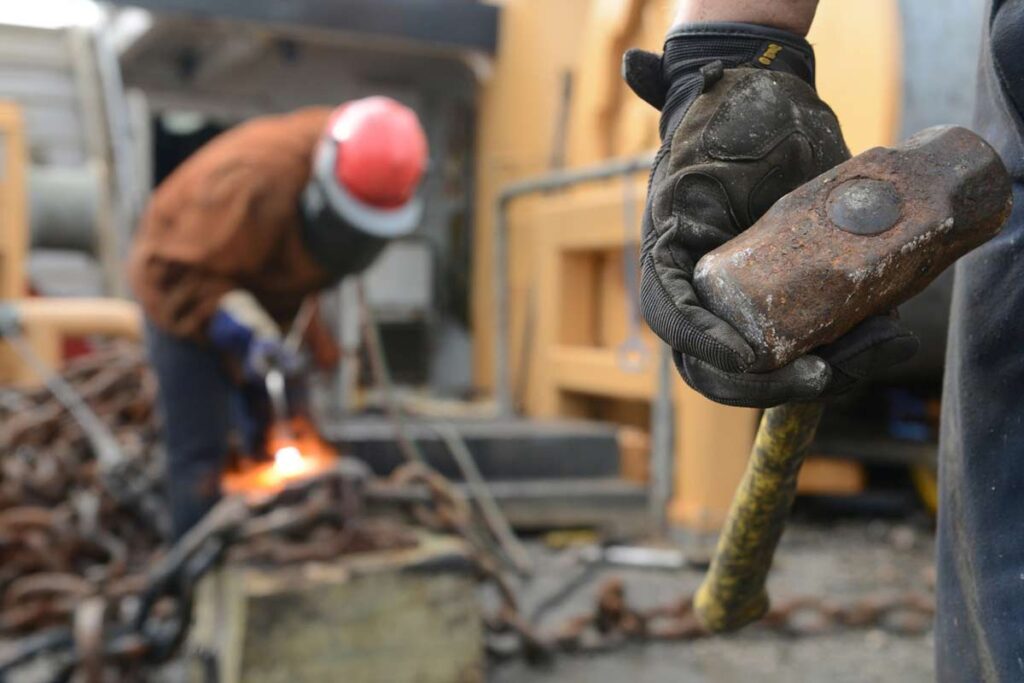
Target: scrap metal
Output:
{"points": [[86, 574], [89, 583]]}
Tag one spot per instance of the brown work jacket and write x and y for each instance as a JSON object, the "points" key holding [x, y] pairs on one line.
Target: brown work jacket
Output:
{"points": [[228, 218]]}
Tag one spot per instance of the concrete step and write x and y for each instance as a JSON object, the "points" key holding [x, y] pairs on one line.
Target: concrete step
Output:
{"points": [[504, 449], [615, 507]]}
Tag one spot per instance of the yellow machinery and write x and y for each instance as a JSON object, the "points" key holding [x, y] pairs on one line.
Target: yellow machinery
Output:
{"points": [[573, 343], [45, 322]]}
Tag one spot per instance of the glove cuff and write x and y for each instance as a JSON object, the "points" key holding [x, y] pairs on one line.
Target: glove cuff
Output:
{"points": [[691, 49]]}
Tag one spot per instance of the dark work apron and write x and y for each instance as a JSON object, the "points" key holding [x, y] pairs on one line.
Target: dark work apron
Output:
{"points": [[979, 631]]}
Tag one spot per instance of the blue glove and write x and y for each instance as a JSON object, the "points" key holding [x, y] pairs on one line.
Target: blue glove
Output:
{"points": [[241, 328], [266, 354]]}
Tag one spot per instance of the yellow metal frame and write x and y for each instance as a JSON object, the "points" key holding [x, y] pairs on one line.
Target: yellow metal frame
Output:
{"points": [[46, 322], [13, 200]]}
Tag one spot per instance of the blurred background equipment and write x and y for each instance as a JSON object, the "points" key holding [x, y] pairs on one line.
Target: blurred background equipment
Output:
{"points": [[115, 96], [50, 327]]}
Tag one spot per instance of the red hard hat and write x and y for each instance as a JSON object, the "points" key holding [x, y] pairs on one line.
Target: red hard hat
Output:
{"points": [[381, 151]]}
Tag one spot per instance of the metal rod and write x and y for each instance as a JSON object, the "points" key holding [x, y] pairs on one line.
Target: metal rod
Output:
{"points": [[348, 337], [662, 434], [545, 183], [105, 445], [481, 494], [494, 519], [408, 447], [293, 340], [277, 391]]}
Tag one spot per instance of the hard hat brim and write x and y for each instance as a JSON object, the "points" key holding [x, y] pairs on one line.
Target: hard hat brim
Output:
{"points": [[386, 223]]}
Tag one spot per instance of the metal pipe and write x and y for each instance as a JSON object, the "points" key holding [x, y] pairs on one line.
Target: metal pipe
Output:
{"points": [[349, 334], [662, 434], [79, 316], [545, 183], [492, 514], [277, 391], [297, 332]]}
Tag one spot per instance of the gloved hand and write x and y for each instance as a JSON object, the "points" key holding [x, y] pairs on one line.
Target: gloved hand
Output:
{"points": [[266, 354], [741, 126], [241, 328]]}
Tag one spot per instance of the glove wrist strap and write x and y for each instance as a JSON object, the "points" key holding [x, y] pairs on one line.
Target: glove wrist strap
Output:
{"points": [[691, 47]]}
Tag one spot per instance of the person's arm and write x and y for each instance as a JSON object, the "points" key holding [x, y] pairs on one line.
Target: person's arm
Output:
{"points": [[789, 15]]}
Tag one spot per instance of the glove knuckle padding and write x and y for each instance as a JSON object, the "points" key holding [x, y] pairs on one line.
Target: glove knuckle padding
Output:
{"points": [[698, 205], [762, 134], [759, 110]]}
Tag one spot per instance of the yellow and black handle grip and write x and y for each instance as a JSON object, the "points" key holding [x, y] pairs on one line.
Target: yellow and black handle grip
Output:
{"points": [[733, 593]]}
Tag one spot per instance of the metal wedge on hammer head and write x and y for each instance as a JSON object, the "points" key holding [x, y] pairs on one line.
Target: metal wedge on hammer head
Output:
{"points": [[855, 242]]}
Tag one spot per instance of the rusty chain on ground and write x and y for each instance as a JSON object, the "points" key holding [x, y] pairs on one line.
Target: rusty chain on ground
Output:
{"points": [[87, 579], [614, 623], [138, 620]]}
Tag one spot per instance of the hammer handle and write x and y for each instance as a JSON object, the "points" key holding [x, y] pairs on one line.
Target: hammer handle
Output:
{"points": [[733, 592]]}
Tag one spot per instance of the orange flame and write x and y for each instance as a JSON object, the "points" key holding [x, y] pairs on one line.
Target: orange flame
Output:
{"points": [[299, 452]]}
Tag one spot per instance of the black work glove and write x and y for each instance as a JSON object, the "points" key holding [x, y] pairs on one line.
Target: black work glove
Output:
{"points": [[741, 126]]}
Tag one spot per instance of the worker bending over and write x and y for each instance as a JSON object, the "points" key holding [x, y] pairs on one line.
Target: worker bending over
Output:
{"points": [[742, 125], [235, 240]]}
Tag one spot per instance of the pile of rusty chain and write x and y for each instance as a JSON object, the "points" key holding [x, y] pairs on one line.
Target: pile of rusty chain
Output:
{"points": [[118, 630], [62, 528], [86, 577]]}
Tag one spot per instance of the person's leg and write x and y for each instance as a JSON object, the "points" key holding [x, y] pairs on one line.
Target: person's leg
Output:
{"points": [[194, 400], [979, 630]]}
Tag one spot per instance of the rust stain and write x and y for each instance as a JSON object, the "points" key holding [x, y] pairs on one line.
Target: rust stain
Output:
{"points": [[855, 242]]}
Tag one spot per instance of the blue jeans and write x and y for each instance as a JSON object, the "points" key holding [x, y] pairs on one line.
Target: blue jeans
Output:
{"points": [[200, 406], [979, 630]]}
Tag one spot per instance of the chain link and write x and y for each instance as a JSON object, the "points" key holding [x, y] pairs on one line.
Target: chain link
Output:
{"points": [[614, 623], [86, 577]]}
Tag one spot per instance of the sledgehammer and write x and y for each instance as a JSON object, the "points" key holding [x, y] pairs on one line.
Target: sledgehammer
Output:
{"points": [[854, 242]]}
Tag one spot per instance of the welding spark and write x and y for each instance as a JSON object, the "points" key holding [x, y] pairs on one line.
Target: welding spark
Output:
{"points": [[288, 462]]}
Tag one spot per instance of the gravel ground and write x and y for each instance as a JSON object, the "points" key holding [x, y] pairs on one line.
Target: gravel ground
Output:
{"points": [[845, 561]]}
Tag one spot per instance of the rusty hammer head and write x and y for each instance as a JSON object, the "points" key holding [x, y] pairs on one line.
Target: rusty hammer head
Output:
{"points": [[855, 242]]}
